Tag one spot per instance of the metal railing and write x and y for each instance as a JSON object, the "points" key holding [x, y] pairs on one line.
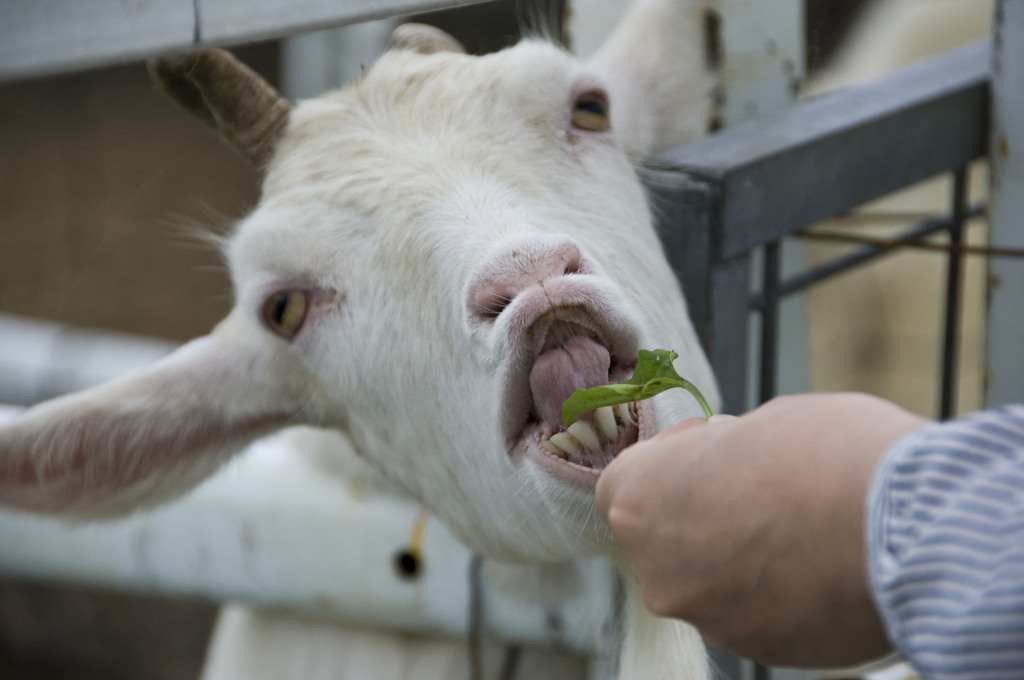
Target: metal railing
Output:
{"points": [[728, 202], [39, 37], [741, 192]]}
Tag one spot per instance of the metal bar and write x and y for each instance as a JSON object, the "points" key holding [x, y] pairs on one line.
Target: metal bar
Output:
{"points": [[763, 56], [841, 149], [988, 251], [40, 360], [682, 208], [1005, 370], [475, 640], [39, 37], [716, 291], [729, 330], [954, 290], [239, 526], [769, 320], [870, 250], [234, 539], [862, 255]]}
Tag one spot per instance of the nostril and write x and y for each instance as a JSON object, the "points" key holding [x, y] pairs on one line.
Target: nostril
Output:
{"points": [[566, 261], [573, 266], [493, 308], [489, 304], [519, 269]]}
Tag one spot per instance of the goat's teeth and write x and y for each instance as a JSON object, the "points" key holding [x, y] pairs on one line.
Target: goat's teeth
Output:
{"points": [[622, 410], [553, 448], [605, 418], [584, 432], [566, 442]]}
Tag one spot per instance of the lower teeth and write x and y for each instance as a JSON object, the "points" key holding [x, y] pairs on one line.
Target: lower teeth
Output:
{"points": [[582, 436], [548, 446], [585, 434], [566, 442]]}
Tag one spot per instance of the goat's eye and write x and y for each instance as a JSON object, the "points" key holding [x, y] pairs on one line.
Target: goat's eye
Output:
{"points": [[284, 312], [590, 112]]}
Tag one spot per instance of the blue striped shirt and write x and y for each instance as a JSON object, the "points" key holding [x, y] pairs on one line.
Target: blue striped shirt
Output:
{"points": [[946, 547]]}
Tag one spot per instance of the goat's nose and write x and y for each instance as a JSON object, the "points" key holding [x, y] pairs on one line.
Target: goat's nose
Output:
{"points": [[519, 268]]}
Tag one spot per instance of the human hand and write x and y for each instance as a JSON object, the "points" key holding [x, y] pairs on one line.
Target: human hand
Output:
{"points": [[752, 528]]}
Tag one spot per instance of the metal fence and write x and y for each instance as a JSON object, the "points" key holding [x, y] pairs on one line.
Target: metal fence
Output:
{"points": [[737, 195], [39, 37], [731, 200]]}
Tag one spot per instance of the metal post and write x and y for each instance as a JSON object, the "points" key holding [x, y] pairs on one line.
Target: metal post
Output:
{"points": [[763, 57], [1006, 275], [769, 320], [954, 281]]}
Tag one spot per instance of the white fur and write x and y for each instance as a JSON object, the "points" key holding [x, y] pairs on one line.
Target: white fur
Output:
{"points": [[392, 203]]}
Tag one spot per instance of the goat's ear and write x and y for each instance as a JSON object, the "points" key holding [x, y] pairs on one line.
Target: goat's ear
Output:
{"points": [[152, 436], [228, 96], [424, 39], [661, 68]]}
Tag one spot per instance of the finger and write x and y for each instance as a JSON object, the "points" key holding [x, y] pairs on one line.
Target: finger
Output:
{"points": [[682, 426], [720, 418]]}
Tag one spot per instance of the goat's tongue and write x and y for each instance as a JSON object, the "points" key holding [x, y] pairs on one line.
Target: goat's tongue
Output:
{"points": [[575, 363]]}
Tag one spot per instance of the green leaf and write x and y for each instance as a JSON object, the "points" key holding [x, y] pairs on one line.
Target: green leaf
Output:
{"points": [[653, 375]]}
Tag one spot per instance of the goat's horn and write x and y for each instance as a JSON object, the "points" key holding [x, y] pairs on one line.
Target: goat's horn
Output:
{"points": [[424, 39], [228, 96]]}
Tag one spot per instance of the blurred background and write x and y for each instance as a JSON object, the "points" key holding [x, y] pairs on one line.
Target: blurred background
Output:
{"points": [[106, 193]]}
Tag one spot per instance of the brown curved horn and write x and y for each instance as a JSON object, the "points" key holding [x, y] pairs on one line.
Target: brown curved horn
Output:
{"points": [[228, 96]]}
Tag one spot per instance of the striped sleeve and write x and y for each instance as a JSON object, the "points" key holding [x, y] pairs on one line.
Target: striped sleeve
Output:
{"points": [[945, 532]]}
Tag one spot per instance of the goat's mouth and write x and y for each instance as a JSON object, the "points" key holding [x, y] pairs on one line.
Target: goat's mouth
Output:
{"points": [[577, 454], [571, 356]]}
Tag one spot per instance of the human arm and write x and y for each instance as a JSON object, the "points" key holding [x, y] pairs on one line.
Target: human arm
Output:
{"points": [[946, 547], [752, 528]]}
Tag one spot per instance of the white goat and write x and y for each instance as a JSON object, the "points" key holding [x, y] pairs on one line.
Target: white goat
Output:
{"points": [[443, 252]]}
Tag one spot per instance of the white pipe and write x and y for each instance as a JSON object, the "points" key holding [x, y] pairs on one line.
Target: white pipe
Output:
{"points": [[40, 360], [278, 529], [296, 522]]}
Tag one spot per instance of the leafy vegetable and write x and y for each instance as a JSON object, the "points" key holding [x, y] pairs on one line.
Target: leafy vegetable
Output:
{"points": [[653, 375]]}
